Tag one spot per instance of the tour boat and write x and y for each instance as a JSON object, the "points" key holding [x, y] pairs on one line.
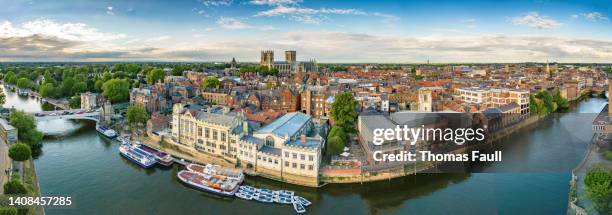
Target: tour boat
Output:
{"points": [[215, 184], [301, 200], [299, 208], [209, 169], [161, 157], [136, 156], [107, 132], [285, 193]]}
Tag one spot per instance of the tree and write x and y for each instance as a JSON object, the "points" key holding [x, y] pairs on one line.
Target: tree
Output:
{"points": [[78, 88], [155, 75], [26, 126], [336, 140], [20, 152], [137, 114], [211, 82], [14, 187], [116, 90], [8, 211], [66, 86], [344, 111], [75, 102], [561, 102], [48, 90], [10, 78], [548, 101], [598, 181], [2, 97], [98, 85], [24, 83]]}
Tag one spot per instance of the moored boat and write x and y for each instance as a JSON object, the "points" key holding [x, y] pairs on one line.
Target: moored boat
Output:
{"points": [[209, 183], [301, 200], [248, 188], [244, 195], [161, 157], [107, 132], [136, 156], [210, 169], [298, 207], [263, 197]]}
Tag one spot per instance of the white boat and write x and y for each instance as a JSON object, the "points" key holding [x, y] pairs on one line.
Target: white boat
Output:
{"points": [[263, 197], [107, 132], [285, 193], [299, 208], [265, 191], [284, 200], [244, 195], [248, 188], [301, 200], [210, 169]]}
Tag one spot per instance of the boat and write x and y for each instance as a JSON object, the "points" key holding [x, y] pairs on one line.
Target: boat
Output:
{"points": [[244, 195], [301, 200], [210, 169], [136, 156], [107, 132], [209, 183], [285, 193], [299, 208], [283, 199], [162, 158], [248, 189], [263, 197], [265, 191]]}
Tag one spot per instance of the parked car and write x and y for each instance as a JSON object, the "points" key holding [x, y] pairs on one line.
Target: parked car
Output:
{"points": [[80, 112], [53, 114]]}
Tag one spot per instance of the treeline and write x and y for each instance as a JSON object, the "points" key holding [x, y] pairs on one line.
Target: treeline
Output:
{"points": [[261, 70]]}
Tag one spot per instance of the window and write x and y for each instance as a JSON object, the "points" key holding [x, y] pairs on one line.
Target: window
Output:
{"points": [[302, 157], [286, 154], [302, 166], [199, 131], [310, 158], [294, 165], [215, 134], [207, 133], [294, 156], [222, 136], [310, 167], [286, 163], [269, 141]]}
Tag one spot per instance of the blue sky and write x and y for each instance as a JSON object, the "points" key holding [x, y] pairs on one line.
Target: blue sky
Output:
{"points": [[329, 31]]}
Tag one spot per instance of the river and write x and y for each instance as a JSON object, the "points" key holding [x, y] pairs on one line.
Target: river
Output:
{"points": [[532, 179]]}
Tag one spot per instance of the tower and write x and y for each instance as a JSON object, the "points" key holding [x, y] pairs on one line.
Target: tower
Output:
{"points": [[425, 100], [290, 56], [267, 58], [233, 63]]}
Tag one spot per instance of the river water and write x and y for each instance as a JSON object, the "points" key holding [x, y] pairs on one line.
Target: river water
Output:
{"points": [[532, 179]]}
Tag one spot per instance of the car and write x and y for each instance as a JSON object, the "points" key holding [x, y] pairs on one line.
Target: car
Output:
{"points": [[80, 112], [53, 114], [65, 113]]}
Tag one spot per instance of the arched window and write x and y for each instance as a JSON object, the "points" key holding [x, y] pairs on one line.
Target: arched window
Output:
{"points": [[269, 141]]}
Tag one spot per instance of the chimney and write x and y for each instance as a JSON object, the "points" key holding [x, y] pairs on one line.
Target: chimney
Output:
{"points": [[303, 139]]}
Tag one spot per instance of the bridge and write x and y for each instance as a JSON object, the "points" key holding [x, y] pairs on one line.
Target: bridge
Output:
{"points": [[66, 114]]}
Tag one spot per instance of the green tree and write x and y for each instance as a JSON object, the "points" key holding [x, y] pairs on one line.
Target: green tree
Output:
{"points": [[48, 90], [67, 85], [116, 90], [10, 78], [28, 133], [78, 88], [562, 103], [8, 211], [532, 104], [211, 82], [14, 187], [545, 97], [2, 97], [98, 85], [20, 152], [137, 114], [155, 75], [336, 140], [344, 112], [75, 102], [598, 181], [24, 83]]}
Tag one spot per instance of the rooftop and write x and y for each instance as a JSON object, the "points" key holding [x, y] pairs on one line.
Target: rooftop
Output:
{"points": [[288, 124]]}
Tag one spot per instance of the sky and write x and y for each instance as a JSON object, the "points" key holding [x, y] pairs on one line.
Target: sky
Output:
{"points": [[327, 31]]}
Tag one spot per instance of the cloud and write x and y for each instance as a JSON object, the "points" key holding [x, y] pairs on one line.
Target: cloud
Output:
{"points": [[231, 23], [48, 27], [592, 16], [109, 10], [536, 20], [274, 2], [216, 3], [157, 39], [315, 16]]}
